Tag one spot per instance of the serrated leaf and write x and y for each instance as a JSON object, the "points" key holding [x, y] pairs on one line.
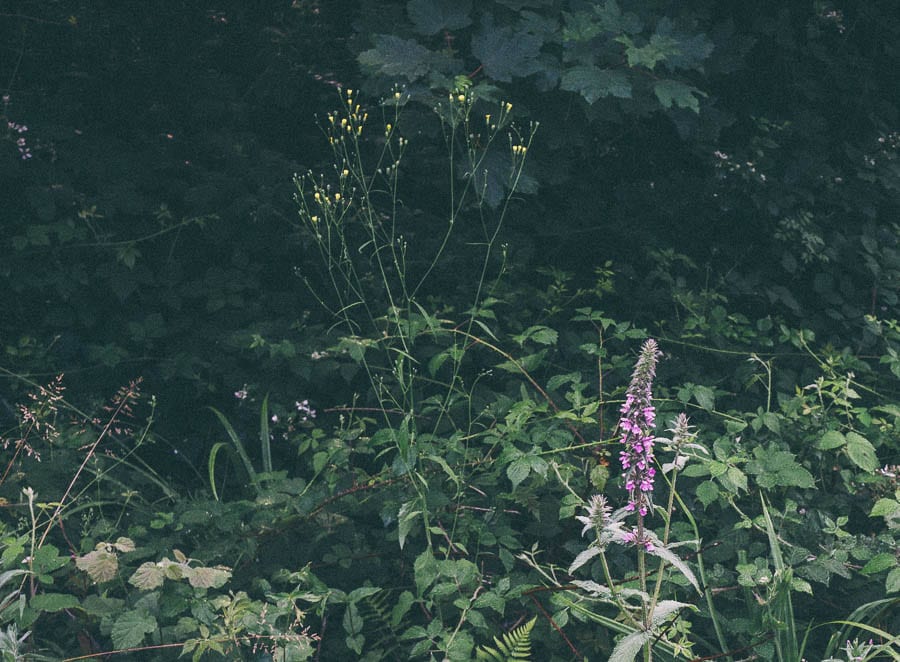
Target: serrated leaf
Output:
{"points": [[100, 565], [506, 53], [885, 507], [518, 470], [670, 92], [879, 563], [431, 16], [861, 452], [148, 576], [395, 58], [674, 560], [124, 544], [131, 627], [628, 647], [406, 518], [425, 570], [583, 557], [831, 439], [707, 492], [892, 581], [594, 83], [203, 577], [53, 602]]}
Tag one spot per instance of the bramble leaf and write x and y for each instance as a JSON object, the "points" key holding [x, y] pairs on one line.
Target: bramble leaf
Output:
{"points": [[131, 627], [861, 452]]}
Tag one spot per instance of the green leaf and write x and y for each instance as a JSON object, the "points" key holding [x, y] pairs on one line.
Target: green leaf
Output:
{"points": [[395, 58], [131, 627], [53, 602], [594, 83], [707, 492], [861, 452], [879, 563], [670, 92], [506, 53], [831, 439], [431, 16], [892, 581], [657, 49], [885, 507], [406, 518], [425, 570], [518, 470]]}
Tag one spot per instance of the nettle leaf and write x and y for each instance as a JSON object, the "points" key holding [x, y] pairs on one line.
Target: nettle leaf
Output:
{"points": [[148, 576], [506, 53], [394, 57], [100, 565], [431, 16], [594, 83], [131, 627], [670, 92], [861, 452]]}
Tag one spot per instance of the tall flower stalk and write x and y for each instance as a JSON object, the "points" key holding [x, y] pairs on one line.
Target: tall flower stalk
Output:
{"points": [[643, 613], [637, 425]]}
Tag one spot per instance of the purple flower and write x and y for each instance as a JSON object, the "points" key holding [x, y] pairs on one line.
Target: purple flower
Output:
{"points": [[637, 425]]}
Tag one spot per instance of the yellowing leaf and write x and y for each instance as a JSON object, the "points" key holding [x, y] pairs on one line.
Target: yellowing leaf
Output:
{"points": [[100, 565], [148, 576]]}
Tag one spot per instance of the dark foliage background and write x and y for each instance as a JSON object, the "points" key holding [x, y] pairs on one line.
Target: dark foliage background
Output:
{"points": [[712, 171]]}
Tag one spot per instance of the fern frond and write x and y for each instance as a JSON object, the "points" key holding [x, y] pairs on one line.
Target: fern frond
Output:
{"points": [[511, 647]]}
